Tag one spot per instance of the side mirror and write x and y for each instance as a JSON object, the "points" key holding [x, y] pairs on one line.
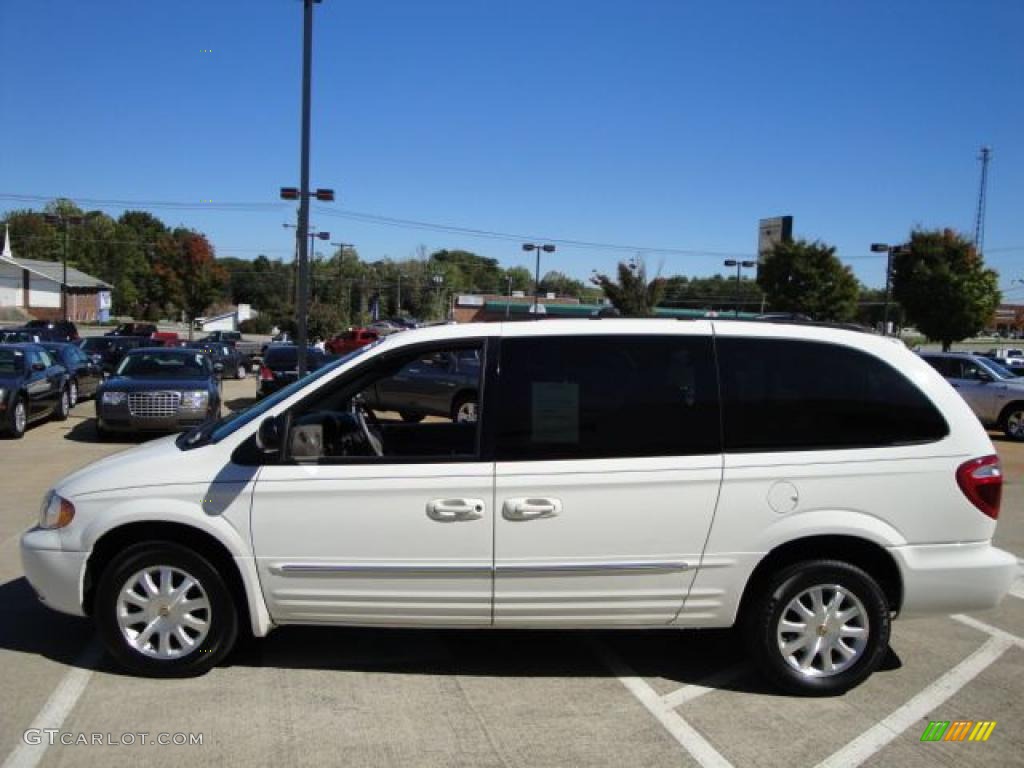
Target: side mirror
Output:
{"points": [[269, 437], [38, 367]]}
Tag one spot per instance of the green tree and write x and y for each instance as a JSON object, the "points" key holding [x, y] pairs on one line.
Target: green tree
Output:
{"points": [[561, 284], [715, 292], [632, 294], [943, 285], [807, 277]]}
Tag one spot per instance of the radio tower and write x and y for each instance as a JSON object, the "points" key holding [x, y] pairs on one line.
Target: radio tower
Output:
{"points": [[979, 222]]}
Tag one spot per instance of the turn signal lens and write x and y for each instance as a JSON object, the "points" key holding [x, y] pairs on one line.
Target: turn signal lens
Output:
{"points": [[981, 480], [56, 512]]}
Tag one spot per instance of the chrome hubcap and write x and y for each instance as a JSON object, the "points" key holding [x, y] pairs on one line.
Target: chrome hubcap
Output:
{"points": [[163, 612], [73, 396], [64, 407], [1015, 424], [823, 630], [19, 417], [466, 412]]}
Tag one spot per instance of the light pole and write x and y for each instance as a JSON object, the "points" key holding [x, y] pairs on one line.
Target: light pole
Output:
{"points": [[508, 303], [302, 194], [63, 221], [889, 251], [547, 248], [740, 265], [341, 264]]}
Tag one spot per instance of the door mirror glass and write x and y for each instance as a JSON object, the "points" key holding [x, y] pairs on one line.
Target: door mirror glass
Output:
{"points": [[269, 435]]}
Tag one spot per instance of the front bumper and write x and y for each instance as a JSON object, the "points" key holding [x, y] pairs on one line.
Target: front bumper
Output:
{"points": [[953, 578], [55, 575]]}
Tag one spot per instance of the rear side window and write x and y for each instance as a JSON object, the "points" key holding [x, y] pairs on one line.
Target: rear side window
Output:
{"points": [[592, 397], [783, 395]]}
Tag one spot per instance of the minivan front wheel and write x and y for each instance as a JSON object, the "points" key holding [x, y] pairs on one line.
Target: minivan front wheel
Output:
{"points": [[162, 610], [819, 627]]}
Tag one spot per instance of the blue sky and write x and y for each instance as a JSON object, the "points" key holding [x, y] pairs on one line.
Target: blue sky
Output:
{"points": [[659, 123]]}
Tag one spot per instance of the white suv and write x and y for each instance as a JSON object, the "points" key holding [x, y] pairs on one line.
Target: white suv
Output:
{"points": [[804, 484]]}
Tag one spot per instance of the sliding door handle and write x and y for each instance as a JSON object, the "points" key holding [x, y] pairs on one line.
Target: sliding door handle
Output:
{"points": [[530, 508]]}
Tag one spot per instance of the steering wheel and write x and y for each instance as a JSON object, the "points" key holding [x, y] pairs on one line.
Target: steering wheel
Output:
{"points": [[370, 426]]}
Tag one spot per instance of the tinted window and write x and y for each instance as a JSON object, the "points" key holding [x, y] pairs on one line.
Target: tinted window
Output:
{"points": [[781, 395], [588, 397]]}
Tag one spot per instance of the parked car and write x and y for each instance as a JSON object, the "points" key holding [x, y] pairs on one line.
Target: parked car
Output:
{"points": [[994, 393], [801, 483], [232, 362], [247, 349], [280, 367], [109, 351], [23, 335], [146, 330], [345, 342], [59, 330], [158, 390], [84, 373], [165, 339], [1011, 359], [436, 384], [385, 327], [280, 338], [33, 387]]}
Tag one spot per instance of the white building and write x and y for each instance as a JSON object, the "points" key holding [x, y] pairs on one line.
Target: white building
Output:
{"points": [[35, 286]]}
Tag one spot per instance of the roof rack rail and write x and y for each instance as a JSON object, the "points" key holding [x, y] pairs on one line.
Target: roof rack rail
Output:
{"points": [[802, 321]]}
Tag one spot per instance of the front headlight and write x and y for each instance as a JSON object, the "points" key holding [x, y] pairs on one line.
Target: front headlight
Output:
{"points": [[194, 401], [114, 398], [55, 512]]}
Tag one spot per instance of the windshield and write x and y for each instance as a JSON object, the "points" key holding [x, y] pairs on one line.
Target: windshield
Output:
{"points": [[11, 361], [94, 344], [997, 370], [164, 365], [215, 431]]}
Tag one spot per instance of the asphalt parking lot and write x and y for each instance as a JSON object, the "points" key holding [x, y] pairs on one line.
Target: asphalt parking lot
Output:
{"points": [[308, 696]]}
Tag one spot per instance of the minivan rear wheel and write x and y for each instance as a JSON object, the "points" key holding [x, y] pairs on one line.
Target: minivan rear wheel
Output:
{"points": [[818, 627], [162, 610]]}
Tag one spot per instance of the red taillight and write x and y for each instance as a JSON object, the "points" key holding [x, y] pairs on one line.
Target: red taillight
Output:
{"points": [[981, 480], [266, 374]]}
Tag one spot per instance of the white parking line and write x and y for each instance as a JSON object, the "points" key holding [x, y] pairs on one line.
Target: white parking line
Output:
{"points": [[914, 711], [707, 685], [687, 736], [988, 629], [57, 708]]}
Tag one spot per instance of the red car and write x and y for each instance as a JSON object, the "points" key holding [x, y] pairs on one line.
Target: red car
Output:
{"points": [[348, 341], [165, 339]]}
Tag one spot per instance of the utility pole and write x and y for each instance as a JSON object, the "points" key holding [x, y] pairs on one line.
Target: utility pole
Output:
{"points": [[546, 248], [889, 251], [63, 222], [979, 222]]}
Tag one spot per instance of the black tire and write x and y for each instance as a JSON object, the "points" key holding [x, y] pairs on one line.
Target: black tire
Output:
{"points": [[16, 426], [101, 433], [222, 616], [411, 418], [465, 399], [1012, 421], [761, 627], [63, 407]]}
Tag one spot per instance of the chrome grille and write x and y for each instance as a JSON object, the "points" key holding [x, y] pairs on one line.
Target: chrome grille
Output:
{"points": [[154, 404]]}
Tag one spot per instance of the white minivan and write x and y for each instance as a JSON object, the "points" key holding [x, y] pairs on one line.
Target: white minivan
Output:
{"points": [[804, 484]]}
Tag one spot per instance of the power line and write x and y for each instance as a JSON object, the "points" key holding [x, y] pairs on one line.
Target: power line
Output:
{"points": [[392, 221]]}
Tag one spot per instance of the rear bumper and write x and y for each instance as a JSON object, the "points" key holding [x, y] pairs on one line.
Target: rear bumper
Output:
{"points": [[55, 575], [950, 578]]}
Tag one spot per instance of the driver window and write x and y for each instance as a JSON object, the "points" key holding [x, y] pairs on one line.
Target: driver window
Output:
{"points": [[421, 405]]}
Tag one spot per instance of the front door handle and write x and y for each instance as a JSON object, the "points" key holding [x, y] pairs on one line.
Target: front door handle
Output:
{"points": [[453, 510], [530, 508]]}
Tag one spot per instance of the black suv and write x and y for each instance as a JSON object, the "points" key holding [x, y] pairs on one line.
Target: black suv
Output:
{"points": [[59, 330]]}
